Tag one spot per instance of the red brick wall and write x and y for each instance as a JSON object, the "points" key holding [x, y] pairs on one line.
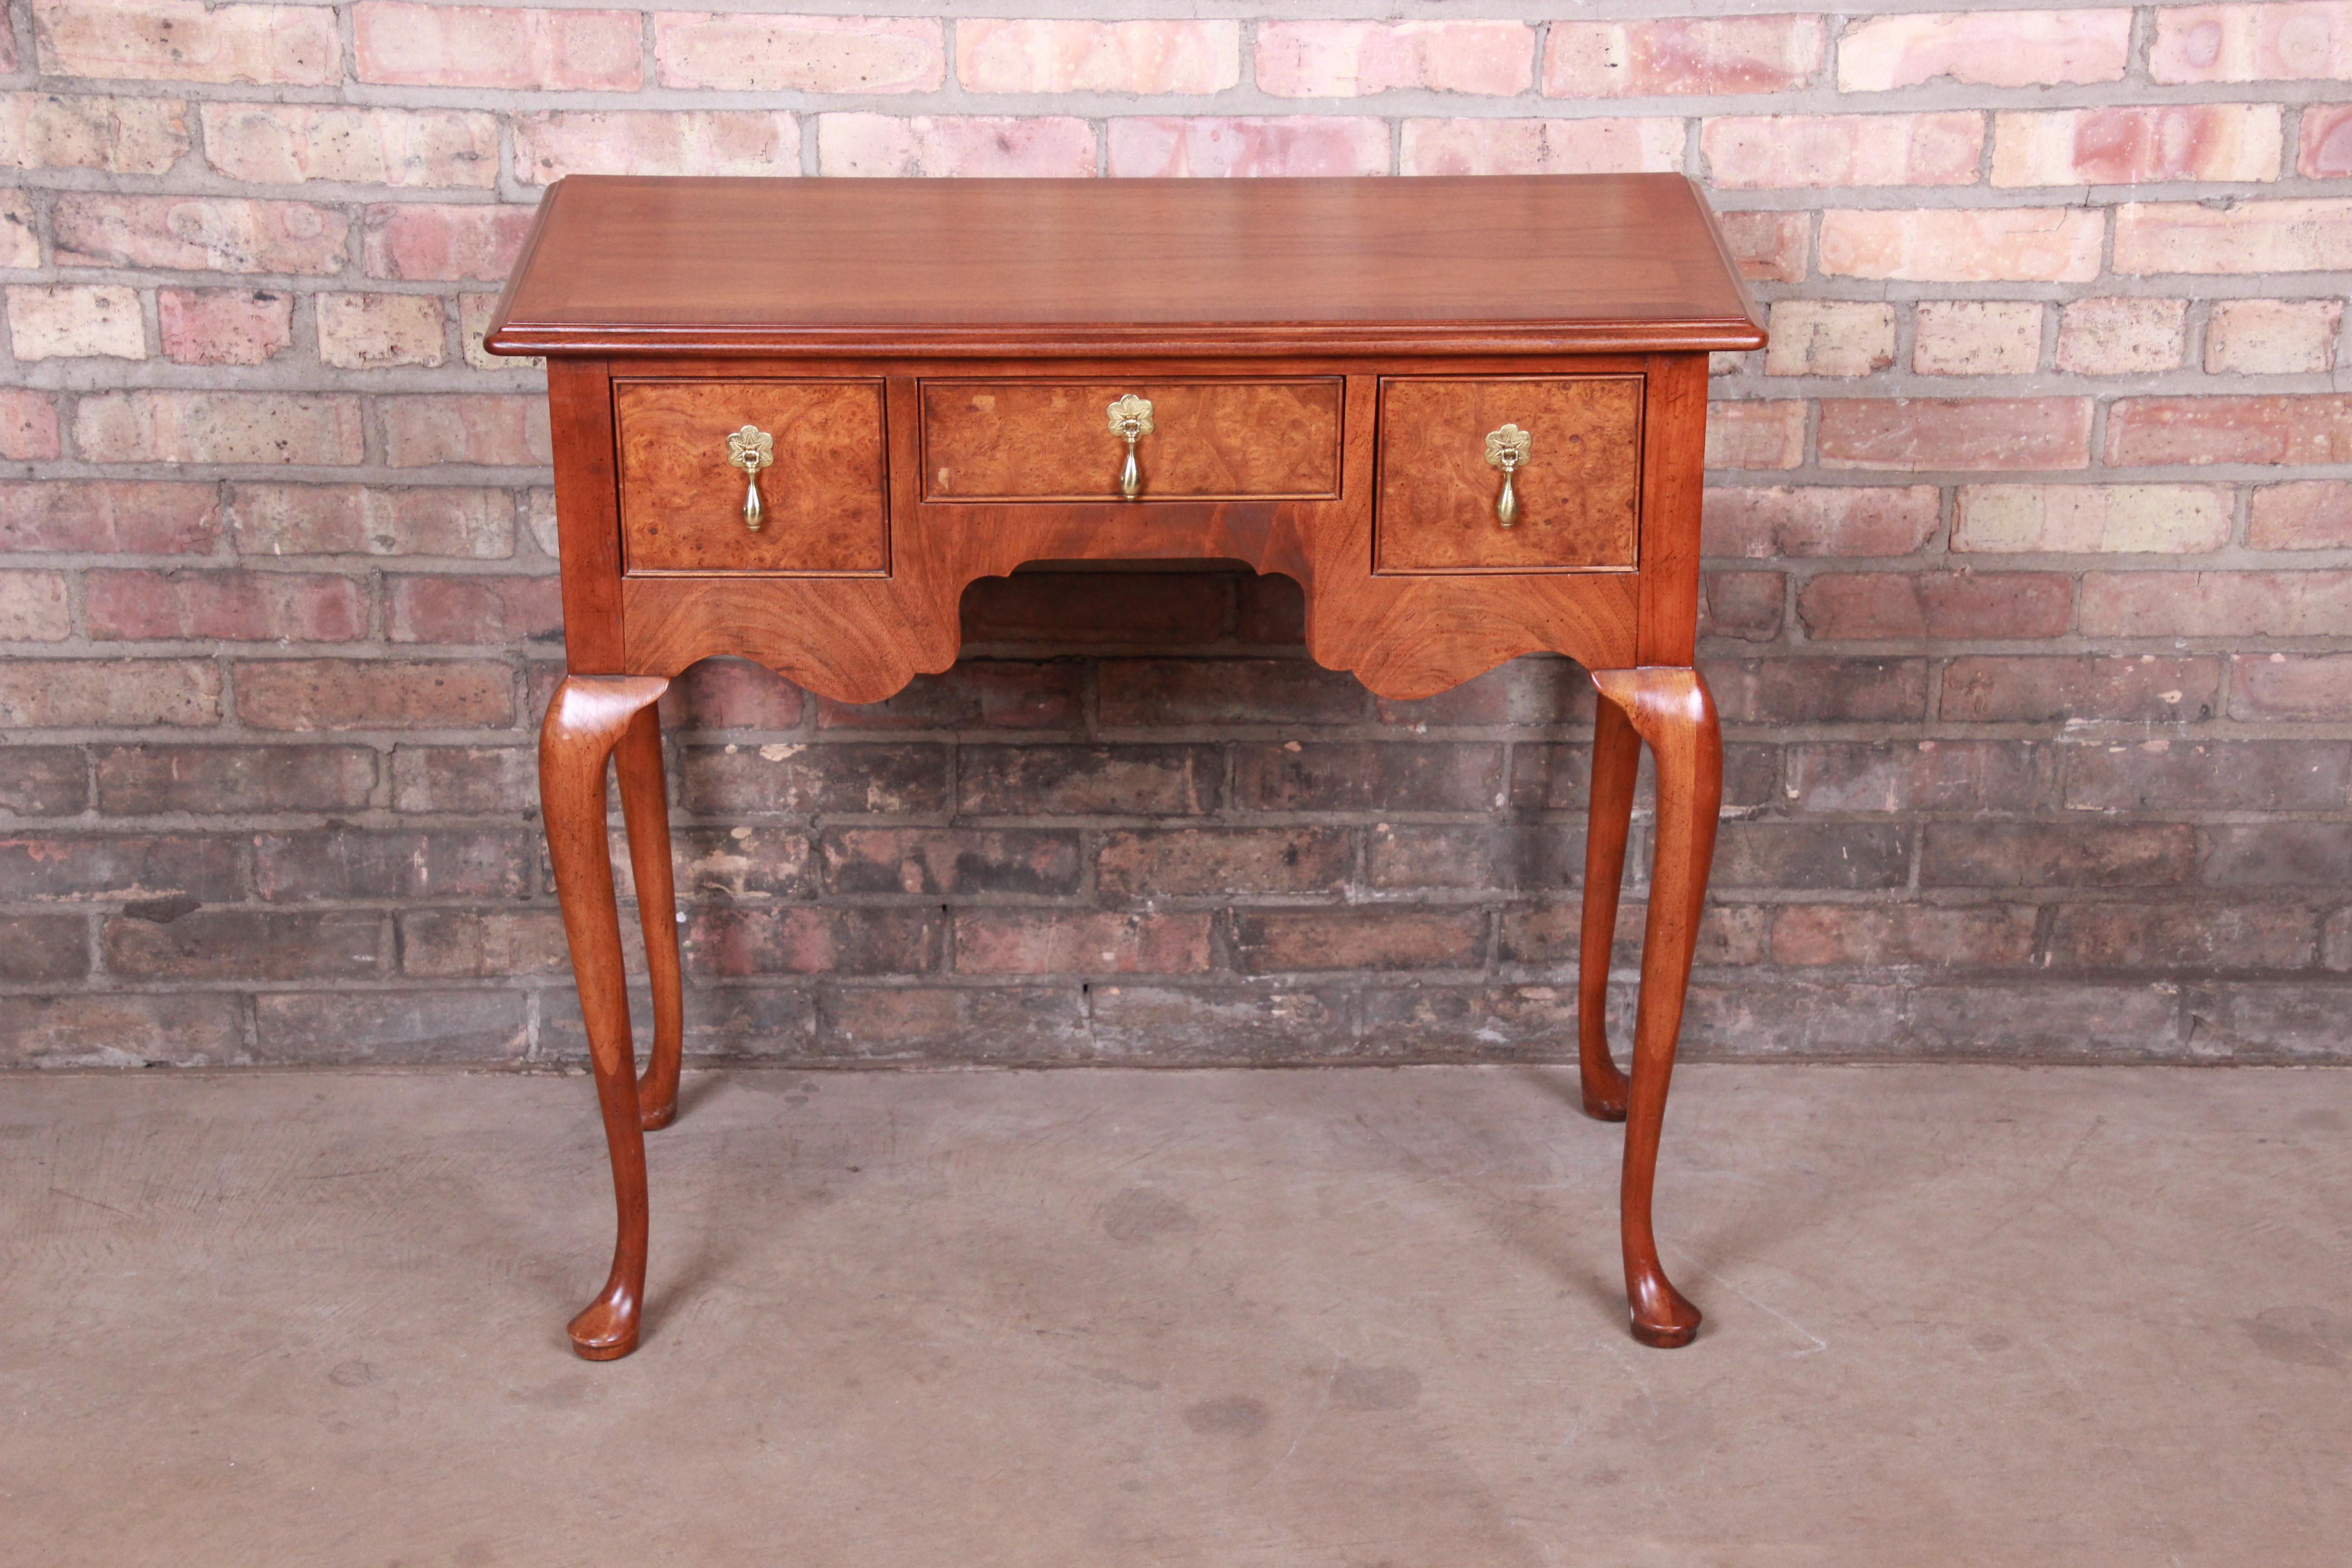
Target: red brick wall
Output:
{"points": [[2030, 585]]}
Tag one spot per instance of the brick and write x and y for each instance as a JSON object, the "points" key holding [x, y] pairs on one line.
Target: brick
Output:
{"points": [[751, 781], [2141, 688], [19, 245], [1168, 58], [2274, 1023], [464, 779], [2154, 519], [112, 135], [119, 1030], [954, 144], [28, 426], [2173, 430], [485, 429], [474, 313], [1224, 691], [1081, 942], [2244, 237], [1068, 781], [2291, 686], [187, 40], [933, 861], [1276, 941], [1294, 146], [1755, 434], [1462, 776], [343, 864], [799, 54], [42, 781], [1484, 146], [159, 517], [1820, 690], [1992, 244], [224, 326], [497, 47], [2272, 337], [353, 519], [1264, 1025], [1027, 1024], [229, 607], [75, 320], [1538, 690], [409, 1029], [145, 781], [1745, 604], [1845, 854], [801, 940], [2167, 774], [33, 608], [198, 233], [1918, 775], [1769, 248], [1819, 519], [1976, 337], [424, 241], [368, 331], [1732, 54], [2279, 855], [43, 949], [256, 427], [2168, 937], [2292, 42], [1879, 937], [115, 694], [1975, 433], [476, 609], [1784, 151], [1476, 859], [1550, 933], [2324, 145], [2120, 336], [2217, 603], [1063, 608], [735, 865], [2045, 1021], [484, 944], [2133, 144], [1353, 60], [731, 693], [153, 869], [1830, 337], [676, 142], [2056, 855], [1986, 48], [1224, 862], [290, 143], [374, 694], [2308, 514]]}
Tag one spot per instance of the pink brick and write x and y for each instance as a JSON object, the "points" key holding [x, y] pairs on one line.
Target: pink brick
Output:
{"points": [[1771, 248], [474, 312], [497, 47], [198, 233], [2175, 520], [75, 320], [479, 608], [2131, 144], [1876, 606], [2121, 336], [2324, 145], [374, 694], [2292, 686], [224, 326], [1682, 56], [465, 427], [1766, 152], [2272, 337], [1830, 337], [118, 517], [1541, 146], [671, 142], [287, 144], [2040, 245], [1976, 337], [1351, 60], [423, 241], [352, 519], [1985, 48], [1965, 433], [1175, 56], [108, 693], [1081, 942], [1288, 145], [112, 136], [2217, 603], [799, 54], [367, 332], [2308, 514], [2302, 42], [231, 606], [218, 428], [34, 608], [1811, 521], [951, 144], [187, 40], [2250, 237], [28, 425], [1755, 435], [19, 246], [2162, 431]]}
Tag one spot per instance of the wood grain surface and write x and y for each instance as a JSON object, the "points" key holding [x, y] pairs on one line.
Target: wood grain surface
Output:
{"points": [[1036, 440]]}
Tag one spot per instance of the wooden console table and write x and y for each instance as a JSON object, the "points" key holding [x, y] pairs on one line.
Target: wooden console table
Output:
{"points": [[795, 418]]}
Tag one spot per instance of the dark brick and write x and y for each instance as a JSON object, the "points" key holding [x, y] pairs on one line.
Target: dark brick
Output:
{"points": [[730, 694], [1538, 855], [141, 781], [1011, 1025], [247, 944], [1273, 941], [2046, 1021], [732, 863], [2057, 855], [43, 781], [1159, 608], [1372, 775], [185, 1029], [1081, 941], [1203, 691], [1819, 690], [1752, 1019], [758, 1022], [935, 860], [798, 780], [996, 694], [1468, 1024], [1548, 776], [1747, 606], [465, 779], [483, 944], [1919, 775], [1260, 1024], [1877, 606], [2167, 937], [2279, 855], [1538, 689], [2169, 774], [2291, 686], [2255, 1023], [43, 949], [1845, 854], [1884, 936], [1070, 781], [803, 940], [121, 865], [1214, 861], [350, 863], [405, 1027], [1272, 610], [2143, 687], [1547, 933]]}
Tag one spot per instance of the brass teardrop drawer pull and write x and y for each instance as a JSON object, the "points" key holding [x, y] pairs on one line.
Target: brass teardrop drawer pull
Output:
{"points": [[1130, 421], [752, 449], [1507, 450]]}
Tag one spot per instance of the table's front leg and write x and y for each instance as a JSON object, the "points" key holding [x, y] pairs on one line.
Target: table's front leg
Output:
{"points": [[586, 720], [1669, 708]]}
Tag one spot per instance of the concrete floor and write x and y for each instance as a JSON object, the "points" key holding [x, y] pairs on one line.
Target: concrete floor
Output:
{"points": [[1969, 1316]]}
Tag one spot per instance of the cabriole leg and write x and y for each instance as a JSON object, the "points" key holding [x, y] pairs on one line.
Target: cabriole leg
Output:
{"points": [[645, 806], [1616, 755]]}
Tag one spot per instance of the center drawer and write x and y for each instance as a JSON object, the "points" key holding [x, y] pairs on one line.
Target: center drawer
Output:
{"points": [[1002, 440]]}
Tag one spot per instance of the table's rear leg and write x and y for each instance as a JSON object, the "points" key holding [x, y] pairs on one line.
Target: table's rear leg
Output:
{"points": [[645, 806], [1616, 756], [586, 720], [1670, 709]]}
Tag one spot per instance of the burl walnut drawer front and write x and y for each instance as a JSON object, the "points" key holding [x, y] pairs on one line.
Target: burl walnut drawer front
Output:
{"points": [[1568, 449], [990, 440], [752, 475]]}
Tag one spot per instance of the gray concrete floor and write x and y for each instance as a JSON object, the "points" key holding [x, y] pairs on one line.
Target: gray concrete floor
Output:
{"points": [[1366, 1318]]}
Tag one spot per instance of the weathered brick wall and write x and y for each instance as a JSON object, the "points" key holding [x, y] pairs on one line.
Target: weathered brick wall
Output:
{"points": [[2028, 595]]}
